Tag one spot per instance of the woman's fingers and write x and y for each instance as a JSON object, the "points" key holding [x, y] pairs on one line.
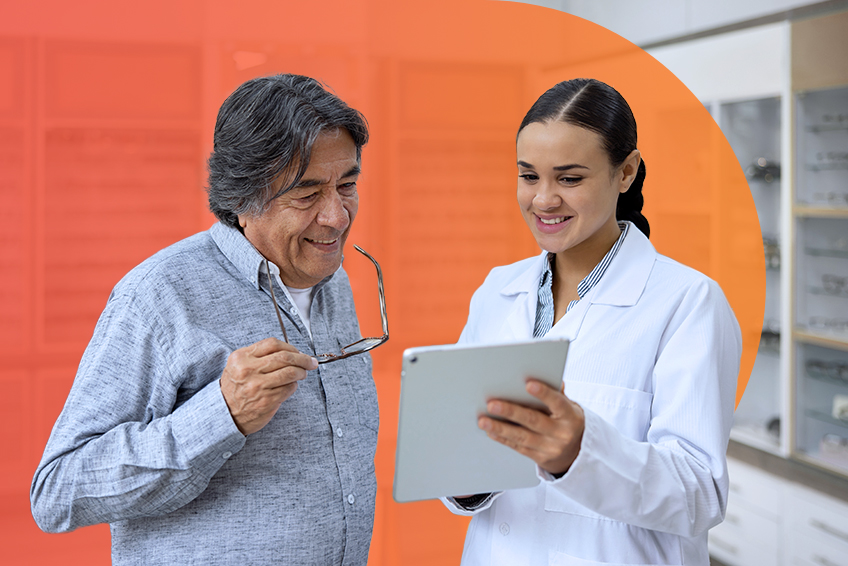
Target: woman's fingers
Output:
{"points": [[549, 437]]}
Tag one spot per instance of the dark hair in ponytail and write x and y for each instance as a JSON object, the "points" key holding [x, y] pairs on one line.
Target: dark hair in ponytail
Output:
{"points": [[596, 106]]}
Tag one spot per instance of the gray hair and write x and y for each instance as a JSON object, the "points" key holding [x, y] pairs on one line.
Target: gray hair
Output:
{"points": [[265, 127]]}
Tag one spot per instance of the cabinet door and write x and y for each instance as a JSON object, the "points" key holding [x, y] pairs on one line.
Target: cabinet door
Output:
{"points": [[817, 528], [752, 128], [821, 279]]}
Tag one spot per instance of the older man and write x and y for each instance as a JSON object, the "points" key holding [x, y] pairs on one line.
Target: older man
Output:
{"points": [[200, 425]]}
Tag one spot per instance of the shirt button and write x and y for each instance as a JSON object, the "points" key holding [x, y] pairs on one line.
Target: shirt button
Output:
{"points": [[339, 432], [226, 455], [351, 499], [293, 310], [504, 528]]}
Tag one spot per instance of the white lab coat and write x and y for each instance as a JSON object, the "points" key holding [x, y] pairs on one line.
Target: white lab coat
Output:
{"points": [[653, 362]]}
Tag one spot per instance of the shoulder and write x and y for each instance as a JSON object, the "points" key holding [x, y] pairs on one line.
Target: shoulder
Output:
{"points": [[506, 276], [179, 265], [674, 278], [689, 299]]}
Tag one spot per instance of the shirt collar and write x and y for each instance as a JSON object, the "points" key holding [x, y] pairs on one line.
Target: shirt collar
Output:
{"points": [[634, 264], [589, 282], [241, 253]]}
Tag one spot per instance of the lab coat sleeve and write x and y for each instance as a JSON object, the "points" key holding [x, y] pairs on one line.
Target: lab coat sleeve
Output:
{"points": [[119, 449], [676, 480]]}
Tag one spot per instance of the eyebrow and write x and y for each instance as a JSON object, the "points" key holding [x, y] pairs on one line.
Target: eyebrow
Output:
{"points": [[557, 168], [353, 171]]}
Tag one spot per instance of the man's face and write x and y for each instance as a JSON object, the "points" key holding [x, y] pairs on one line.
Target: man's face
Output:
{"points": [[303, 231]]}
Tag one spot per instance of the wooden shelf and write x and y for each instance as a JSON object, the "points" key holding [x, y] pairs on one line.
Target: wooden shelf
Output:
{"points": [[819, 211], [818, 339]]}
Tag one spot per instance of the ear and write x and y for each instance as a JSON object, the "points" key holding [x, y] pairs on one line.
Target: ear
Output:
{"points": [[629, 169], [242, 219]]}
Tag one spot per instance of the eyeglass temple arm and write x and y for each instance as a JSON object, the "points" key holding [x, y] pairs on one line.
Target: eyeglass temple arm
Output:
{"points": [[380, 287], [274, 300]]}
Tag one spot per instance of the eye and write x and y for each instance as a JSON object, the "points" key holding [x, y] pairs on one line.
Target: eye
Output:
{"points": [[348, 188], [307, 198], [570, 180], [529, 177]]}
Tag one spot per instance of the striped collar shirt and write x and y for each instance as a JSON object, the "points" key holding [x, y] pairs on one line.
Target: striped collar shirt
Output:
{"points": [[545, 304]]}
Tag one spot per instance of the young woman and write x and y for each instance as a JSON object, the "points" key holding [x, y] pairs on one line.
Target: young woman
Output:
{"points": [[631, 453]]}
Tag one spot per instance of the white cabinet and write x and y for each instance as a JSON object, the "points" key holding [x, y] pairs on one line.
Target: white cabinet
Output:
{"points": [[751, 531], [771, 521], [817, 528]]}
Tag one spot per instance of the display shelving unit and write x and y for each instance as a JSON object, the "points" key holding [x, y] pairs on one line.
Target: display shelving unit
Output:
{"points": [[820, 330], [782, 103], [780, 95]]}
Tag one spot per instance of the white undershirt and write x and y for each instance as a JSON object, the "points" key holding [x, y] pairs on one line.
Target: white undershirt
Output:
{"points": [[302, 299]]}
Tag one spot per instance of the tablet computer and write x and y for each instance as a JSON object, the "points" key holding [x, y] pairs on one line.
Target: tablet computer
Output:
{"points": [[444, 389]]}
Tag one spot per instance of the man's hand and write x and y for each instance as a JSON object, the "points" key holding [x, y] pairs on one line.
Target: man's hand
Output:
{"points": [[551, 440], [258, 378]]}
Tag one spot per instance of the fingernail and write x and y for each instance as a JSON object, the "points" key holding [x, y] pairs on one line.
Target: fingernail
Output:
{"points": [[495, 407], [484, 424], [533, 387]]}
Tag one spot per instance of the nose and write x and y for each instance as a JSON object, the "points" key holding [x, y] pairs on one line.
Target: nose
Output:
{"points": [[546, 197], [333, 212]]}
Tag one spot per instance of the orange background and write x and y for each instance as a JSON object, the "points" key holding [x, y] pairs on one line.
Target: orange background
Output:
{"points": [[106, 117]]}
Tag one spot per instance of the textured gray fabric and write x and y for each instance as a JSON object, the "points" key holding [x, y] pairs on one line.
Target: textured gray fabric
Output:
{"points": [[145, 441]]}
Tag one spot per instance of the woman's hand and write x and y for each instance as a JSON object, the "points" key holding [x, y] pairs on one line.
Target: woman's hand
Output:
{"points": [[551, 440]]}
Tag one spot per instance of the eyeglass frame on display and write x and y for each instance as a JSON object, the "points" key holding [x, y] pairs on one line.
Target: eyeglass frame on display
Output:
{"points": [[327, 358], [828, 323], [832, 198], [834, 284], [833, 370], [763, 170], [771, 251]]}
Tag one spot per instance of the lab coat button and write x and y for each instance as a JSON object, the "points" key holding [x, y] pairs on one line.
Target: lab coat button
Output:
{"points": [[339, 432], [351, 499], [504, 529], [226, 455]]}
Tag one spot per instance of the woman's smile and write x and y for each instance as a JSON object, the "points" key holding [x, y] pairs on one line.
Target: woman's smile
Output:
{"points": [[552, 224]]}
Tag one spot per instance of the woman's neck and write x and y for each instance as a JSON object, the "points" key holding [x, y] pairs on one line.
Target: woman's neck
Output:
{"points": [[573, 265]]}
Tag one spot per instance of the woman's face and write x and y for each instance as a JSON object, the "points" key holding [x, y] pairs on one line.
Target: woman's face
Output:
{"points": [[567, 189]]}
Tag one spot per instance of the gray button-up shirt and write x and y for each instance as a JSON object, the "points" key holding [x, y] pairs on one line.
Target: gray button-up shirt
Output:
{"points": [[146, 442]]}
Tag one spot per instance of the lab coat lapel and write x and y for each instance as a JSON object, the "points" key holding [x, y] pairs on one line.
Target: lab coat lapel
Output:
{"points": [[627, 275], [525, 288], [622, 285]]}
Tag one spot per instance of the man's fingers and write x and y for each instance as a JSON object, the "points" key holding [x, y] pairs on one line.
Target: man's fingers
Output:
{"points": [[280, 360], [268, 346]]}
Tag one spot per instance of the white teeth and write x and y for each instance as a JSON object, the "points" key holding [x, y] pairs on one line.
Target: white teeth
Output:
{"points": [[325, 241], [554, 220]]}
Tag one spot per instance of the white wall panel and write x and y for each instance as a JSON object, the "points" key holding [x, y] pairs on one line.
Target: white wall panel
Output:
{"points": [[745, 64]]}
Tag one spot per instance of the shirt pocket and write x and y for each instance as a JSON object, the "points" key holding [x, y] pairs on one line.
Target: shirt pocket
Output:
{"points": [[628, 410], [359, 373]]}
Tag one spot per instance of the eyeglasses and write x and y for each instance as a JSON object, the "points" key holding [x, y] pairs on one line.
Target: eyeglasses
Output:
{"points": [[833, 370], [360, 346], [831, 324], [763, 170], [834, 284]]}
